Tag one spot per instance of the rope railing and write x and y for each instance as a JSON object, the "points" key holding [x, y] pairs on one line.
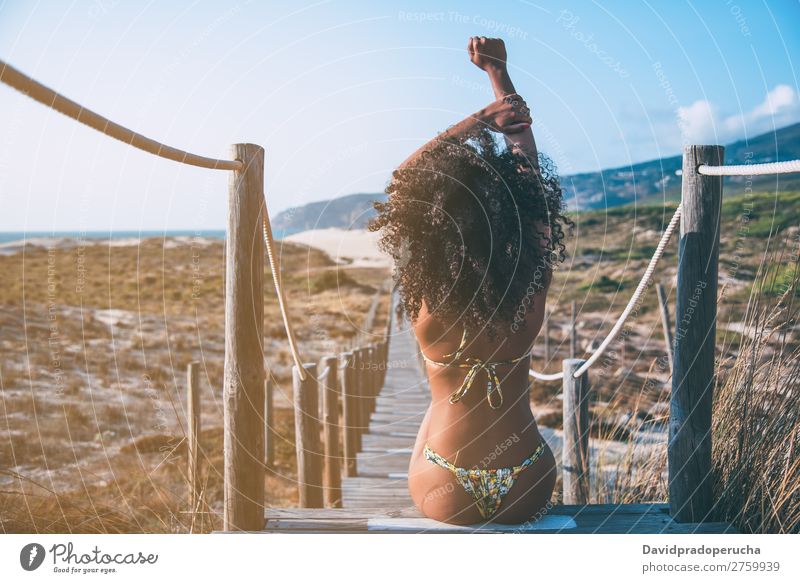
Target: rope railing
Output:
{"points": [[54, 100], [751, 169], [643, 283], [277, 279], [786, 167], [37, 91]]}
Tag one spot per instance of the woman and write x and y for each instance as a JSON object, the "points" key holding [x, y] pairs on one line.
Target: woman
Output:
{"points": [[475, 232]]}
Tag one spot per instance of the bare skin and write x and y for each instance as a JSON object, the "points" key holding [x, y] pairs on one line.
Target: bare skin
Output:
{"points": [[469, 433]]}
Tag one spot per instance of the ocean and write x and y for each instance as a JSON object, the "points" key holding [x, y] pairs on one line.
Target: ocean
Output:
{"points": [[9, 236]]}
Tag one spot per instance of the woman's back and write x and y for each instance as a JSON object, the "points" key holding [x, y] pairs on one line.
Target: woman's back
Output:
{"points": [[474, 232], [487, 427]]}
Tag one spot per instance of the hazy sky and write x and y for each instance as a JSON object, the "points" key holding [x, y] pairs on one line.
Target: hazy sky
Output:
{"points": [[341, 92]]}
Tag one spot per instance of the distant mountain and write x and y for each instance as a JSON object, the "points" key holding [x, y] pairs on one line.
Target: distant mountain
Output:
{"points": [[347, 212], [644, 182], [657, 179]]}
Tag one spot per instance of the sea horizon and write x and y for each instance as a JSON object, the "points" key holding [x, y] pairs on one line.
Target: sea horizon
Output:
{"points": [[19, 236]]}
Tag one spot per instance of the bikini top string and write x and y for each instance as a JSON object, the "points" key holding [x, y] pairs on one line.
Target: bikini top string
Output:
{"points": [[475, 365]]}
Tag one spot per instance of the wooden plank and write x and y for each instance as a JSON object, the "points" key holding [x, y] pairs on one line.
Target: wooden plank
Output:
{"points": [[574, 510], [574, 519], [373, 442]]}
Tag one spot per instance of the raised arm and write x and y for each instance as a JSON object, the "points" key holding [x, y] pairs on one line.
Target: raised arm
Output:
{"points": [[490, 55], [499, 116]]}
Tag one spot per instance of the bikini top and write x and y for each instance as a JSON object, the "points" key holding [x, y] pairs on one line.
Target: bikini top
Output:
{"points": [[475, 365]]}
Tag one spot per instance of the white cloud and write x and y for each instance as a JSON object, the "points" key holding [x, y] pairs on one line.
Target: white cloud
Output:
{"points": [[701, 122]]}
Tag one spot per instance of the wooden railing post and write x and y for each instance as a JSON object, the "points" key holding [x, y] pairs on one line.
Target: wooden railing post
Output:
{"points": [[360, 386], [575, 449], [666, 326], [349, 412], [573, 331], [384, 359], [693, 377], [306, 434], [269, 423], [546, 326], [243, 390], [329, 388], [193, 432], [372, 376]]}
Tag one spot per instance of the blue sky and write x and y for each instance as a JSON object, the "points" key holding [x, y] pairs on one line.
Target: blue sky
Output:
{"points": [[341, 92]]}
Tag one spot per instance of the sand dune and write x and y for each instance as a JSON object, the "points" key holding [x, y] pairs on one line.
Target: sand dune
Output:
{"points": [[357, 247]]}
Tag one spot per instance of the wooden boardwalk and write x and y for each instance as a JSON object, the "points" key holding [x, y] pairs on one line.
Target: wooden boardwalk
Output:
{"points": [[377, 498]]}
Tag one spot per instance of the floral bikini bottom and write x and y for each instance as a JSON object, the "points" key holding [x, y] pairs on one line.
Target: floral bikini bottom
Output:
{"points": [[487, 487]]}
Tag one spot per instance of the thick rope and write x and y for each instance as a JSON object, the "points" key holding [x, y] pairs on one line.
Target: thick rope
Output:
{"points": [[645, 281], [54, 100], [278, 281], [35, 90], [751, 169]]}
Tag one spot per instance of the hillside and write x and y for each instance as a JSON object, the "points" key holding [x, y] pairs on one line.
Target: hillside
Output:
{"points": [[657, 179], [347, 212], [645, 182]]}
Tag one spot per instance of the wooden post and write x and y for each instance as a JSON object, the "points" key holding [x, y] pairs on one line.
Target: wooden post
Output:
{"points": [[573, 333], [693, 378], [360, 386], [306, 436], [269, 424], [384, 361], [546, 337], [243, 391], [575, 449], [665, 324], [349, 413], [372, 376], [193, 433], [329, 386]]}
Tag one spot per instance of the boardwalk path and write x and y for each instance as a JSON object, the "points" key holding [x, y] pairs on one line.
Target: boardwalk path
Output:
{"points": [[386, 449], [377, 498]]}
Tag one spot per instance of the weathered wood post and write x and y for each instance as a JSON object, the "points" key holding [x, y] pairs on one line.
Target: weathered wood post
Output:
{"points": [[269, 423], [372, 376], [546, 326], [575, 449], [193, 432], [243, 391], [693, 378], [329, 386], [349, 412], [384, 360], [573, 332], [360, 386], [306, 434], [665, 323]]}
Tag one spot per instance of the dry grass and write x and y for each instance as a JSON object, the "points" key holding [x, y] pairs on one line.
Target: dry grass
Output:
{"points": [[756, 423], [92, 382], [756, 417]]}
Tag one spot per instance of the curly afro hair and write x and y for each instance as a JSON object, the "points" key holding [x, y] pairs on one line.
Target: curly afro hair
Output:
{"points": [[465, 223]]}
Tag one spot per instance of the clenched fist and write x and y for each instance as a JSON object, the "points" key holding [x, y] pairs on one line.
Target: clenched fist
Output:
{"points": [[487, 53]]}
